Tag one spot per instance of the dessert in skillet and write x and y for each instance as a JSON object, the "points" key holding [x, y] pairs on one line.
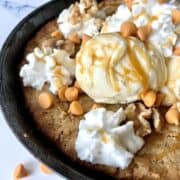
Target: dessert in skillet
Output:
{"points": [[103, 83]]}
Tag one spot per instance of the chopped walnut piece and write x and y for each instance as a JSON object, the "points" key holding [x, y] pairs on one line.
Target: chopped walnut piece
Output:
{"points": [[130, 111], [141, 116], [144, 117], [158, 121]]}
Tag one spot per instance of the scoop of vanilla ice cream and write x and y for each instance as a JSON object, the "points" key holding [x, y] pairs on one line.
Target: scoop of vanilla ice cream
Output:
{"points": [[172, 88], [112, 69]]}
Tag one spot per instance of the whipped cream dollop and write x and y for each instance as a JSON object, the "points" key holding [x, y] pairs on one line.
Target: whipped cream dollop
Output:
{"points": [[112, 69], [102, 140], [53, 66], [172, 88], [148, 12], [82, 18]]}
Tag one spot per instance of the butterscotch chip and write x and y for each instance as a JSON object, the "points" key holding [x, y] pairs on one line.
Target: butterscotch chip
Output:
{"points": [[74, 38], [143, 32], [176, 16], [85, 38], [61, 93], [76, 108], [177, 51], [172, 116], [45, 100], [57, 34], [149, 98], [45, 169], [128, 28], [20, 172], [71, 93]]}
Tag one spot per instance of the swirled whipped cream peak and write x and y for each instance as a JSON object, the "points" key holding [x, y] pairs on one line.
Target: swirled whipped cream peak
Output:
{"points": [[103, 140], [112, 69], [47, 65], [152, 13]]}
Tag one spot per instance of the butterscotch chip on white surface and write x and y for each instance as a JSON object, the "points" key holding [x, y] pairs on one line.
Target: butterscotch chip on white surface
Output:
{"points": [[143, 32], [71, 93], [128, 28], [173, 116], [76, 108], [176, 16], [45, 169], [177, 51], [149, 98], [20, 172], [45, 100], [74, 38]]}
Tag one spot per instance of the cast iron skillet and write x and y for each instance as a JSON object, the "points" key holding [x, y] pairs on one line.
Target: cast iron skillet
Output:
{"points": [[12, 100]]}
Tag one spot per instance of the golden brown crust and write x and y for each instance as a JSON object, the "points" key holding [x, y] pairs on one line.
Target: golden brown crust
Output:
{"points": [[159, 158]]}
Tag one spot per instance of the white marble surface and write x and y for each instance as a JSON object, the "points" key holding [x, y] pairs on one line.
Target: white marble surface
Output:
{"points": [[11, 151]]}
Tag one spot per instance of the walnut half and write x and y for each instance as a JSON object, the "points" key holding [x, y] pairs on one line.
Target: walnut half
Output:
{"points": [[145, 119], [158, 121]]}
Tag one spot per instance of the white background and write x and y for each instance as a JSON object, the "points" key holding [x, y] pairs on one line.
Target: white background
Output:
{"points": [[11, 151]]}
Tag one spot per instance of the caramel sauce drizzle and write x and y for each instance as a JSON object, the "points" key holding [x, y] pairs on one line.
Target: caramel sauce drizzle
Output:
{"points": [[140, 73], [109, 61], [104, 137]]}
